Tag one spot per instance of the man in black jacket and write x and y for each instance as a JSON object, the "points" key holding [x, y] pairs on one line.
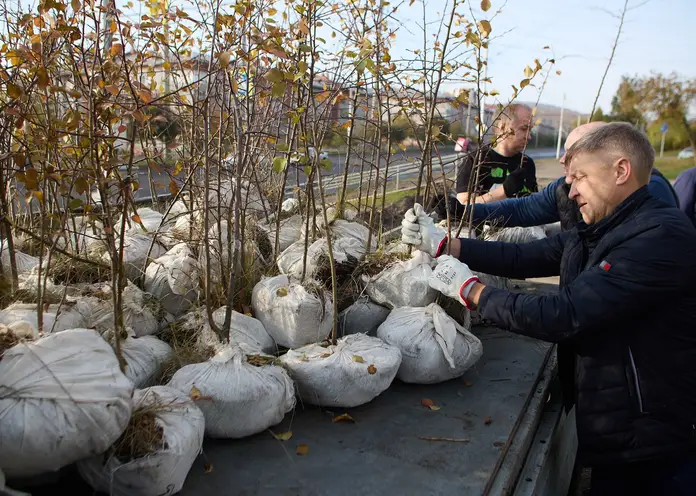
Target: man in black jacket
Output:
{"points": [[623, 318]]}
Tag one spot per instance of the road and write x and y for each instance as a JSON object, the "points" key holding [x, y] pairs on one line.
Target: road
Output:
{"points": [[403, 164]]}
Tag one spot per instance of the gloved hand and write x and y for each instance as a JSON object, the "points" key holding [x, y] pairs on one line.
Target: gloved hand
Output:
{"points": [[419, 229], [453, 278], [514, 182]]}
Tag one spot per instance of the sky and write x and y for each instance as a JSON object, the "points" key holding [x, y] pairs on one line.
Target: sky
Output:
{"points": [[657, 36]]}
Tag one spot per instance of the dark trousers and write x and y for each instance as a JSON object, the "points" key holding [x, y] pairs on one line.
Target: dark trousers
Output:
{"points": [[665, 477]]}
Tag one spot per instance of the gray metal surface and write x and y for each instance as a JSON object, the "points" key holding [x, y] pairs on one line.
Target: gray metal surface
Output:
{"points": [[382, 453]]}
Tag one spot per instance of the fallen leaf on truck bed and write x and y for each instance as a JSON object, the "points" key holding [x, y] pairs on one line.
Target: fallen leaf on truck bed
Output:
{"points": [[344, 417], [282, 436], [302, 449], [371, 370], [428, 403], [358, 358], [488, 421]]}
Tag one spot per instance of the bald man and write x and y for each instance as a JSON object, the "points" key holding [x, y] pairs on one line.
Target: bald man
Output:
{"points": [[553, 204], [501, 165]]}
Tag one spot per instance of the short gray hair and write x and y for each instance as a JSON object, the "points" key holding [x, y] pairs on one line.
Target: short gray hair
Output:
{"points": [[620, 139]]}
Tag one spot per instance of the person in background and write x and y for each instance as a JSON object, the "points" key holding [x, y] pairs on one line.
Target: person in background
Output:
{"points": [[552, 203], [623, 318], [503, 164], [685, 186]]}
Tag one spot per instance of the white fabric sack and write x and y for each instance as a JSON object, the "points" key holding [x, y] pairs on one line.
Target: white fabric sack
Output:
{"points": [[56, 318], [245, 330], [433, 346], [62, 398], [345, 250], [363, 316], [163, 472], [403, 284], [173, 279], [291, 205], [237, 399], [291, 315], [352, 373], [24, 262], [138, 314], [145, 358], [28, 285], [150, 220], [517, 234], [290, 231], [135, 255]]}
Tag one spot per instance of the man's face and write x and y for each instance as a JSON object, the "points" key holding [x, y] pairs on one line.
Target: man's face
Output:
{"points": [[517, 133], [593, 180]]}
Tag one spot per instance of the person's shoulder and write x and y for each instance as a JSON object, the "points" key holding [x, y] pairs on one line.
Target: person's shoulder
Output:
{"points": [[665, 222], [529, 161], [687, 175]]}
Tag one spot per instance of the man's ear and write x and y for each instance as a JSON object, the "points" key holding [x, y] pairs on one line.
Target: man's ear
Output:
{"points": [[623, 169]]}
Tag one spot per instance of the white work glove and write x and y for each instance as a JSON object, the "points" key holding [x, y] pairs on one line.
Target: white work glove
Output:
{"points": [[419, 230], [453, 278]]}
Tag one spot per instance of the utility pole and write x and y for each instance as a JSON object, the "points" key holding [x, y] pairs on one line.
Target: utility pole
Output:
{"points": [[482, 110], [468, 114], [560, 130]]}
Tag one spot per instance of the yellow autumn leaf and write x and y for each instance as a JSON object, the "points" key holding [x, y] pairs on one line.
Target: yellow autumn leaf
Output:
{"points": [[167, 66], [282, 292], [282, 436], [371, 370], [358, 359], [116, 49], [344, 417], [484, 28], [485, 5], [42, 78], [195, 393], [302, 449], [224, 59], [13, 90]]}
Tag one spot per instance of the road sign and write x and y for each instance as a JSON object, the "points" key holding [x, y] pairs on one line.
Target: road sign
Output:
{"points": [[664, 128]]}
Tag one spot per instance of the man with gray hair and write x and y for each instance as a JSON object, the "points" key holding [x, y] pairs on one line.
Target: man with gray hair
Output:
{"points": [[623, 318]]}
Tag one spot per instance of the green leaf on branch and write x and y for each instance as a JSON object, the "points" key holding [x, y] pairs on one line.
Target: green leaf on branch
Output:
{"points": [[274, 76], [307, 170], [278, 89], [327, 164], [279, 164], [524, 82]]}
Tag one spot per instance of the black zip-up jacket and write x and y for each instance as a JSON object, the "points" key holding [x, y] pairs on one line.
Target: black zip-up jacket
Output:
{"points": [[625, 321]]}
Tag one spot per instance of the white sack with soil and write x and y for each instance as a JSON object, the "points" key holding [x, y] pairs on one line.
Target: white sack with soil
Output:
{"points": [[292, 315], [363, 316], [135, 254], [24, 262], [238, 399], [517, 234], [56, 318], [173, 279], [290, 231], [145, 358], [62, 398], [346, 251], [403, 284], [164, 471], [140, 311], [433, 346], [244, 330], [352, 373]]}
